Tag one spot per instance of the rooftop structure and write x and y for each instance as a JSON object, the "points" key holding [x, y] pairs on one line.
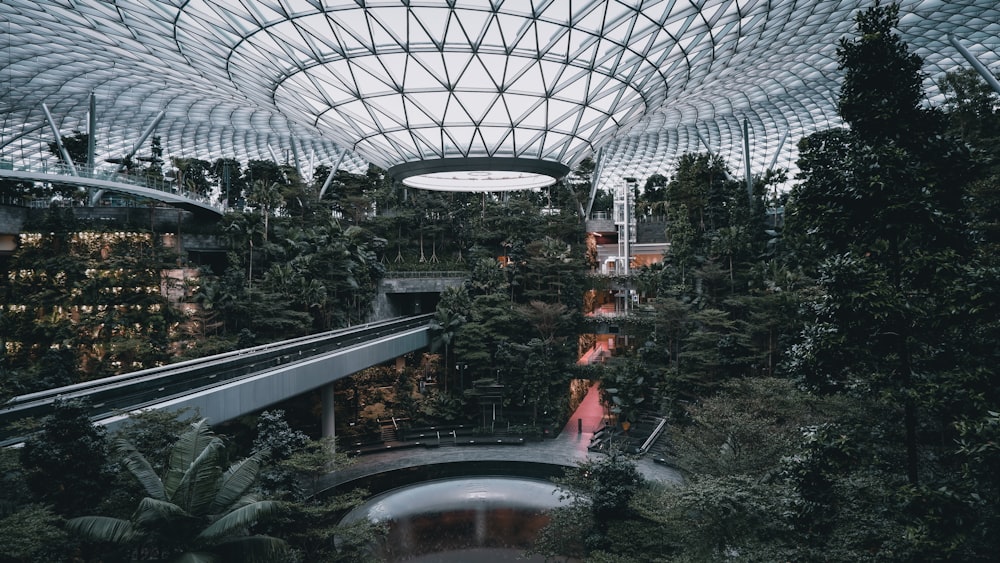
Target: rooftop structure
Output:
{"points": [[473, 94]]}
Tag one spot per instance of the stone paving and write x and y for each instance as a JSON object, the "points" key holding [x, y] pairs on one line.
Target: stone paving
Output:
{"points": [[567, 449]]}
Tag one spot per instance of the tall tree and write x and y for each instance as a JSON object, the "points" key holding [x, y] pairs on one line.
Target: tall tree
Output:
{"points": [[67, 463], [889, 184]]}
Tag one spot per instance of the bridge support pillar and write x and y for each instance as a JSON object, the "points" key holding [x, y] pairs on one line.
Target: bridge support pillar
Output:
{"points": [[328, 418]]}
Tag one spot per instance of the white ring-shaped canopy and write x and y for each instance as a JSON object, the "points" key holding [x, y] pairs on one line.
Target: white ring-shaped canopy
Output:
{"points": [[479, 174], [479, 181]]}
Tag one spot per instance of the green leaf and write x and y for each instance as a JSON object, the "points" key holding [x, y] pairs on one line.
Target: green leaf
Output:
{"points": [[237, 479], [241, 519], [103, 528], [152, 510], [184, 453], [139, 467], [201, 481]]}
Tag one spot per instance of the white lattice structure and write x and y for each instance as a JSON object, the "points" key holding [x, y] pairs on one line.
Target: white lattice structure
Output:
{"points": [[504, 89]]}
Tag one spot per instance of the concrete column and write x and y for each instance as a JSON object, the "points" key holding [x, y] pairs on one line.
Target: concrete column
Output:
{"points": [[328, 418]]}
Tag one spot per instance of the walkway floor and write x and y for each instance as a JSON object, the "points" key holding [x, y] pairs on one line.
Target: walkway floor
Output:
{"points": [[568, 448]]}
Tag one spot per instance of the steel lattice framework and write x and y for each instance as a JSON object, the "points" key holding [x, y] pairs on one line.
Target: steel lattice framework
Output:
{"points": [[503, 89]]}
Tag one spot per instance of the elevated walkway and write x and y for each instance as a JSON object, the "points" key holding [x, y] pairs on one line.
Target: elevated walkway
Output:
{"points": [[151, 188], [234, 384]]}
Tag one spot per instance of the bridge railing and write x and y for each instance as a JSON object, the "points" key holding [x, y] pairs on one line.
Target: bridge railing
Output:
{"points": [[112, 175], [426, 274]]}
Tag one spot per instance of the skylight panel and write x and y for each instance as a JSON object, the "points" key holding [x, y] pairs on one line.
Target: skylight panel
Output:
{"points": [[297, 7], [434, 63], [380, 30], [455, 113], [432, 104], [474, 23], [512, 28], [497, 139], [351, 31], [536, 117], [434, 21], [417, 116], [477, 77], [389, 111], [455, 65], [372, 82]]}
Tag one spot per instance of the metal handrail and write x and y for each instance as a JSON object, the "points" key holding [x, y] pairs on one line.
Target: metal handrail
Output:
{"points": [[426, 274]]}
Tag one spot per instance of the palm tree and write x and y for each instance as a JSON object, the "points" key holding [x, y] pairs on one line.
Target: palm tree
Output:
{"points": [[445, 324], [198, 512], [268, 198]]}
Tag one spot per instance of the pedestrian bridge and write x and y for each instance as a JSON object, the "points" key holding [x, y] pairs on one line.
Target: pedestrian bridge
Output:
{"points": [[230, 385], [142, 186]]}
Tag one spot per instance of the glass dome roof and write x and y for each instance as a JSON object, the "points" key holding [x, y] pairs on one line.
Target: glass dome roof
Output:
{"points": [[471, 85]]}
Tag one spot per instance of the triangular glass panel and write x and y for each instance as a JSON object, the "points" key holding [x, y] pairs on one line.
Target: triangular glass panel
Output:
{"points": [[395, 66], [383, 32], [516, 66], [496, 66], [357, 114], [455, 114], [536, 118], [513, 30], [574, 85], [591, 118], [353, 30], [586, 51], [518, 105], [476, 104], [463, 138], [497, 115], [416, 34], [318, 28], [477, 77], [592, 21], [428, 142], [376, 149], [334, 73], [554, 145], [494, 138], [524, 43], [368, 84], [455, 64], [432, 104], [389, 110], [485, 30], [478, 145], [561, 114], [433, 63], [456, 35], [528, 143], [551, 73], [403, 143], [417, 77], [416, 116], [434, 20], [604, 101]]}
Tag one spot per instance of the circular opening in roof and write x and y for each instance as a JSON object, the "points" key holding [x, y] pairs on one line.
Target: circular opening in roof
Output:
{"points": [[479, 181], [482, 174]]}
